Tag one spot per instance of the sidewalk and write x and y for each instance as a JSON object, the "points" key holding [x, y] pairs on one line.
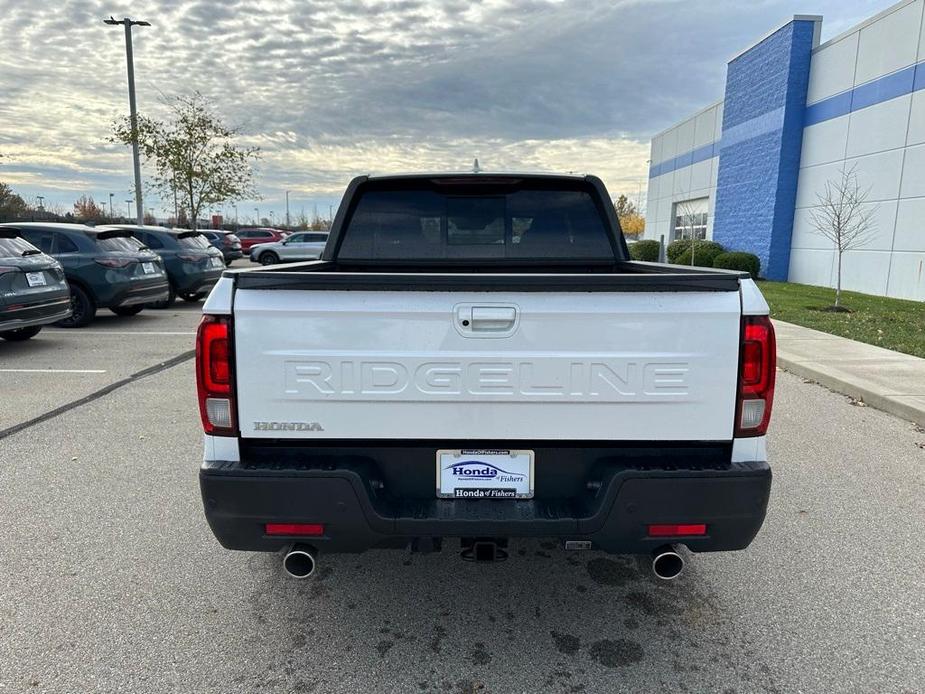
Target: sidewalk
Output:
{"points": [[890, 381]]}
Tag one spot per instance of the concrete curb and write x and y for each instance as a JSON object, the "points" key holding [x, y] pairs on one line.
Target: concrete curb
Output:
{"points": [[858, 392]]}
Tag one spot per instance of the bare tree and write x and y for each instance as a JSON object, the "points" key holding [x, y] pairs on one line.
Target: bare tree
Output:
{"points": [[842, 216], [689, 215], [86, 209]]}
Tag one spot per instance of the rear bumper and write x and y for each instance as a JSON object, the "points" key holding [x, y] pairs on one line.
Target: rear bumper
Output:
{"points": [[358, 514], [36, 313], [132, 293], [199, 282]]}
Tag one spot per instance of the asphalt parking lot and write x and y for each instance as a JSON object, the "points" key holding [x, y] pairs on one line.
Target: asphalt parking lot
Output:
{"points": [[111, 581]]}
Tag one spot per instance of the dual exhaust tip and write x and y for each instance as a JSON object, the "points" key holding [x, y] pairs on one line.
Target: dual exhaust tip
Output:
{"points": [[300, 562]]}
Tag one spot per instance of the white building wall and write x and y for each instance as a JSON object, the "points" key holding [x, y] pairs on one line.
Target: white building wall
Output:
{"points": [[884, 143], [697, 180]]}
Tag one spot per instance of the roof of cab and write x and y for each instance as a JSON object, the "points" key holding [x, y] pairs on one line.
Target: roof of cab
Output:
{"points": [[476, 176]]}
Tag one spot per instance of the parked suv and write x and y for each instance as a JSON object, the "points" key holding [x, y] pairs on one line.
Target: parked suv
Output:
{"points": [[33, 291], [192, 264], [254, 235], [303, 245], [225, 241], [105, 268]]}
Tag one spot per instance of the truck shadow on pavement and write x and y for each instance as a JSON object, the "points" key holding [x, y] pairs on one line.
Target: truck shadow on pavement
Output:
{"points": [[544, 620]]}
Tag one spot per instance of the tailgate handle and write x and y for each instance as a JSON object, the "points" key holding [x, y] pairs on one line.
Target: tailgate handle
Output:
{"points": [[493, 318]]}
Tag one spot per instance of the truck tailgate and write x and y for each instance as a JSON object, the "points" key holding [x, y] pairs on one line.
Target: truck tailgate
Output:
{"points": [[596, 366]]}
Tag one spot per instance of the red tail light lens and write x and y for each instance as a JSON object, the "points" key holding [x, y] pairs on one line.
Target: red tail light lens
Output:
{"points": [[304, 529], [214, 375], [114, 262], [677, 529], [756, 376]]}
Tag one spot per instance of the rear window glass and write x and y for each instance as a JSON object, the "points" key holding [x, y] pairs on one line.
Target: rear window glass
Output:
{"points": [[125, 244], [525, 223], [197, 241], [13, 248]]}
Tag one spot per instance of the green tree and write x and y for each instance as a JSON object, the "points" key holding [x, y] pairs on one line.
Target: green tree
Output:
{"points": [[194, 156], [12, 206]]}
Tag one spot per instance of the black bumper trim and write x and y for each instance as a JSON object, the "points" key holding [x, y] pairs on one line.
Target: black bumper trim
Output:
{"points": [[239, 499]]}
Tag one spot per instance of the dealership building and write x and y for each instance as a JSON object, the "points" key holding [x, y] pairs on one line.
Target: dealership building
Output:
{"points": [[797, 114]]}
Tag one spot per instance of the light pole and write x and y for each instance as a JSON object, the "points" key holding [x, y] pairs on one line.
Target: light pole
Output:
{"points": [[235, 208], [287, 210], [110, 205], [41, 199], [128, 207], [257, 212], [133, 115]]}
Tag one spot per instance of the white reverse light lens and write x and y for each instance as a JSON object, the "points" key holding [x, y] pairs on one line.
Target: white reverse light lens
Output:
{"points": [[219, 412], [752, 413]]}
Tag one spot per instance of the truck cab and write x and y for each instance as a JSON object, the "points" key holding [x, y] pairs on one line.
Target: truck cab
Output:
{"points": [[473, 360]]}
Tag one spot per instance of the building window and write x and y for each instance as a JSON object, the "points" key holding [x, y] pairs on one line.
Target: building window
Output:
{"points": [[690, 219]]}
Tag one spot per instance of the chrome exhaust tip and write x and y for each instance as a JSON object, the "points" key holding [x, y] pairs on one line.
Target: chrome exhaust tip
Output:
{"points": [[667, 564], [299, 561]]}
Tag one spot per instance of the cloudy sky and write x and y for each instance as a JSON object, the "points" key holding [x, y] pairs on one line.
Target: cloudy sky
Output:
{"points": [[332, 88]]}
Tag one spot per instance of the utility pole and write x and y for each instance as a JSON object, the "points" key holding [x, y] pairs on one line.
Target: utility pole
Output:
{"points": [[133, 113], [128, 213], [287, 209]]}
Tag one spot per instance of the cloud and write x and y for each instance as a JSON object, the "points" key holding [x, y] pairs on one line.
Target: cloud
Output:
{"points": [[332, 88]]}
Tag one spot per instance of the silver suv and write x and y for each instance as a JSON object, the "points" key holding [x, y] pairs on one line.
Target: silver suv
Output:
{"points": [[303, 245]]}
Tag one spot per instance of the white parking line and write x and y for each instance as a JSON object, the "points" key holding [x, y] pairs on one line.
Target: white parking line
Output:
{"points": [[53, 371], [116, 332]]}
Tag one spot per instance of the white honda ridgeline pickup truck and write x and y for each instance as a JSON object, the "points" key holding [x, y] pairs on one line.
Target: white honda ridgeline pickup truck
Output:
{"points": [[475, 358]]}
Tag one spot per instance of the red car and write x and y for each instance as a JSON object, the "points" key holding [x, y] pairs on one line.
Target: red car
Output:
{"points": [[251, 236]]}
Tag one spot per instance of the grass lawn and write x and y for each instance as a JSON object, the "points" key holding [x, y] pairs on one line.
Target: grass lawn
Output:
{"points": [[891, 323]]}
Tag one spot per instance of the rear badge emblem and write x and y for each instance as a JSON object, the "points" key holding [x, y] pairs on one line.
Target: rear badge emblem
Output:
{"points": [[287, 426]]}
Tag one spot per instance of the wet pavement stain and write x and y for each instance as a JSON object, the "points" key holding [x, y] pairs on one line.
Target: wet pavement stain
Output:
{"points": [[566, 643], [609, 572], [479, 655], [436, 643], [616, 653]]}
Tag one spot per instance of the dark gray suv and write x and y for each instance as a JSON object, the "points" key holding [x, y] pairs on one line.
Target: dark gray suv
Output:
{"points": [[33, 291], [105, 268]]}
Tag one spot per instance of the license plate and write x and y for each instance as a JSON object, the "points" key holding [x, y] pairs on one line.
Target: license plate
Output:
{"points": [[36, 279], [148, 268], [484, 474]]}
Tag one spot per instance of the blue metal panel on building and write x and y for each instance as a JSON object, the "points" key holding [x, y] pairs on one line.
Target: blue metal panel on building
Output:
{"points": [[762, 137]]}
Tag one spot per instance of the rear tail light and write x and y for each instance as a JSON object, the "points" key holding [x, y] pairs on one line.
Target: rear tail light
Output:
{"points": [[757, 368], [6, 268], [191, 258], [214, 376], [114, 262]]}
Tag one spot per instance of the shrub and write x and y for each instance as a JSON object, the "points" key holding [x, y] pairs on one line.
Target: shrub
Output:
{"points": [[737, 260], [705, 252], [676, 248], [644, 250]]}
